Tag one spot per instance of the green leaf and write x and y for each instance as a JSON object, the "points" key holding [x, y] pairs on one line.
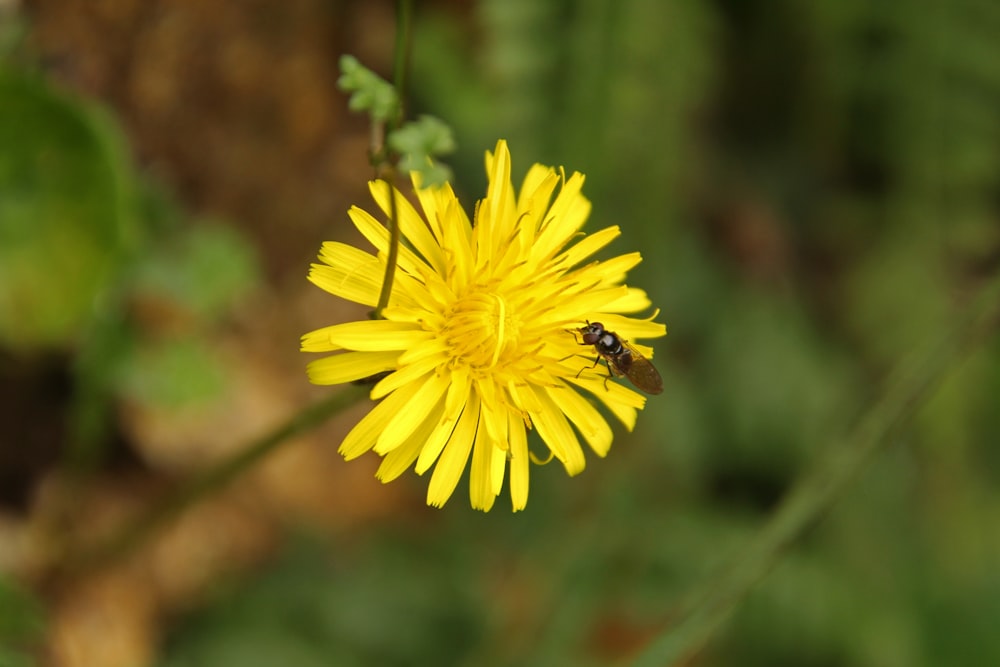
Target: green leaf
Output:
{"points": [[427, 135], [205, 271], [418, 143], [369, 91], [64, 180], [172, 373]]}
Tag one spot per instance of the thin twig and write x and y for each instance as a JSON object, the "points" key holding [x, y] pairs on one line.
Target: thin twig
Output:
{"points": [[212, 480]]}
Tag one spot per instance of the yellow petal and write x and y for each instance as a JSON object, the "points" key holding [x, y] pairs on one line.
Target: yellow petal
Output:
{"points": [[480, 484], [461, 263], [359, 281], [495, 418], [585, 417], [613, 271], [378, 236], [587, 303], [350, 366], [318, 341], [498, 214], [566, 216], [357, 276], [556, 432], [406, 374], [413, 227], [498, 467], [519, 461], [522, 397], [369, 335], [364, 434], [536, 191], [455, 456], [622, 401], [532, 205], [440, 204], [455, 402], [403, 424], [401, 458], [633, 300], [588, 245], [435, 347]]}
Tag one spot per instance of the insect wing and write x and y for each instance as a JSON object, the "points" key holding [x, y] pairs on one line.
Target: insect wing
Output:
{"points": [[641, 371]]}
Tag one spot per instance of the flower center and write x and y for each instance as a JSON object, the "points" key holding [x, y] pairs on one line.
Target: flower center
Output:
{"points": [[481, 328]]}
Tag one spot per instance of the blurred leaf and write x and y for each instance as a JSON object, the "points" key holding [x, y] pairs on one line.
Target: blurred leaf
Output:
{"points": [[418, 143], [62, 175], [171, 372], [205, 270], [369, 91], [427, 136]]}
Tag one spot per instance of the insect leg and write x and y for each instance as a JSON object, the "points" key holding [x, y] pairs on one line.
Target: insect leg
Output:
{"points": [[608, 377], [596, 361]]}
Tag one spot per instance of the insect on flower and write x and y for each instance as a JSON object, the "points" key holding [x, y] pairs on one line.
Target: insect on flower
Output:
{"points": [[621, 358]]}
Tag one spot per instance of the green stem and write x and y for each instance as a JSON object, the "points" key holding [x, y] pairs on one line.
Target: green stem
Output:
{"points": [[393, 258], [404, 21], [908, 388], [401, 54], [213, 479]]}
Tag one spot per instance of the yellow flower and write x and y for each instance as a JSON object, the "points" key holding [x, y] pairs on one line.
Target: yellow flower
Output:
{"points": [[479, 332]]}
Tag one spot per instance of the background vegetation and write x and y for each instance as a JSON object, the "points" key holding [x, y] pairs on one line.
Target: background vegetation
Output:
{"points": [[815, 187]]}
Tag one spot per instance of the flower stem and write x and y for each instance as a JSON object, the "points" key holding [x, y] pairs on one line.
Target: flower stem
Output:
{"points": [[908, 388], [393, 258], [401, 55], [212, 480], [404, 21]]}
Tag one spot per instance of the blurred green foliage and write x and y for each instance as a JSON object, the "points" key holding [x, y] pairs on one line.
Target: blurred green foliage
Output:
{"points": [[369, 91], [310, 610], [62, 226], [84, 243], [21, 625], [419, 142], [204, 270]]}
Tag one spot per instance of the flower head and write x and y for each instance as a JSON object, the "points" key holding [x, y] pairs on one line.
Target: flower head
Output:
{"points": [[479, 335]]}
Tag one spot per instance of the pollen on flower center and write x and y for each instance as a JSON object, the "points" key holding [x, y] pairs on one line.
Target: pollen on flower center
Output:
{"points": [[481, 330]]}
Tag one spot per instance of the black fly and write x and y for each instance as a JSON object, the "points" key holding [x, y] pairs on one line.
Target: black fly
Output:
{"points": [[621, 357]]}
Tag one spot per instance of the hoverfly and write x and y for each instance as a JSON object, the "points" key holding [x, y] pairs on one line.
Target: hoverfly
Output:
{"points": [[621, 358]]}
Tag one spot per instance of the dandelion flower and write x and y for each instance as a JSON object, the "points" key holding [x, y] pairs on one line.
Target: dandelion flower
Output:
{"points": [[479, 338]]}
